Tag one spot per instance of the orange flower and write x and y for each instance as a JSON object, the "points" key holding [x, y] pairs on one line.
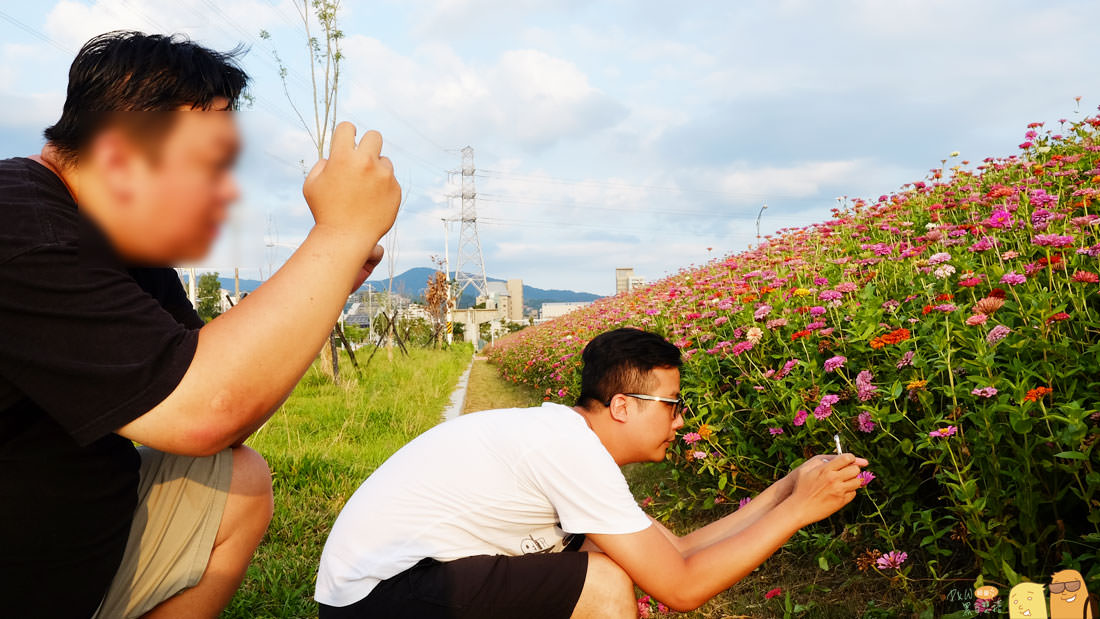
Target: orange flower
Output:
{"points": [[705, 431], [1036, 394]]}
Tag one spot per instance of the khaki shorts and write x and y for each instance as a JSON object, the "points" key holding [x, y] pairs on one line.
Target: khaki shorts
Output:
{"points": [[180, 505]]}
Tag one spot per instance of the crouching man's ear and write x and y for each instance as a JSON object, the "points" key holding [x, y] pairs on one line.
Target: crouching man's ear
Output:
{"points": [[618, 408]]}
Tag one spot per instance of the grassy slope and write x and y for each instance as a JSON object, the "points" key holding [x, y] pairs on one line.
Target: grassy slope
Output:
{"points": [[321, 446]]}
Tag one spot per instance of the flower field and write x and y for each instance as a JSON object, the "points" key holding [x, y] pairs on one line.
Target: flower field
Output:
{"points": [[948, 332]]}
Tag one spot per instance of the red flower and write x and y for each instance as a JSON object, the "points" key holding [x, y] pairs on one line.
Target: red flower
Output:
{"points": [[798, 334], [1059, 317], [997, 292], [773, 593], [926, 309], [1086, 277], [945, 297]]}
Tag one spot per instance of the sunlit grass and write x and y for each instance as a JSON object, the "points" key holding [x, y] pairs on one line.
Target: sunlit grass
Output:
{"points": [[321, 445]]}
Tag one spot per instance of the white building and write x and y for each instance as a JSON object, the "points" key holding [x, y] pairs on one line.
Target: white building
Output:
{"points": [[551, 311]]}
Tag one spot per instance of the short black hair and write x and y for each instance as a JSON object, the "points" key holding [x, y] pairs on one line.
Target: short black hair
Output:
{"points": [[129, 71], [620, 361]]}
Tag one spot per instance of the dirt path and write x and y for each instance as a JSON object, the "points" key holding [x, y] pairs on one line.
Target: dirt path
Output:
{"points": [[487, 390]]}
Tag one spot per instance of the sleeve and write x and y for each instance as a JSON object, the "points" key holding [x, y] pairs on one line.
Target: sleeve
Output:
{"points": [[82, 340], [586, 487]]}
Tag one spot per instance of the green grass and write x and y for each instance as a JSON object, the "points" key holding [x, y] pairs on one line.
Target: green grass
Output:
{"points": [[321, 445]]}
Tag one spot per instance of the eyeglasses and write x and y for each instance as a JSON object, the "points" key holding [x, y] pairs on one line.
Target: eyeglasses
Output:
{"points": [[678, 404], [1057, 587]]}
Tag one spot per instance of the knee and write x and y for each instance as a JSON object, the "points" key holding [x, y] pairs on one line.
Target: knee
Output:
{"points": [[252, 482], [611, 585]]}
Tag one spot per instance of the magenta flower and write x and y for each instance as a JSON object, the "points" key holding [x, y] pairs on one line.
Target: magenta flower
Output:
{"points": [[945, 307], [1012, 278], [1053, 240], [891, 560], [865, 389], [865, 477], [835, 363], [774, 431], [997, 334], [985, 392], [865, 423], [800, 417], [906, 359], [829, 400], [943, 432], [743, 502]]}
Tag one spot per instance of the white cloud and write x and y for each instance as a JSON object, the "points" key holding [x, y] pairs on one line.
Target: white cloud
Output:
{"points": [[525, 98]]}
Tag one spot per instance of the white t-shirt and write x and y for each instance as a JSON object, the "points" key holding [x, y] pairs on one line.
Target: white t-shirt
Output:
{"points": [[503, 482]]}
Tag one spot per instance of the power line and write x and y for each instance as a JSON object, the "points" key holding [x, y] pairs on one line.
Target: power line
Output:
{"points": [[36, 33], [565, 181]]}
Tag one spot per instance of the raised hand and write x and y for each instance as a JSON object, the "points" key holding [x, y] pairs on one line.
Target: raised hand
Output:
{"points": [[354, 191]]}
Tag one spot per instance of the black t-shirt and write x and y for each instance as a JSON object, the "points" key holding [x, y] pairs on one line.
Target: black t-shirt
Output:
{"points": [[87, 345]]}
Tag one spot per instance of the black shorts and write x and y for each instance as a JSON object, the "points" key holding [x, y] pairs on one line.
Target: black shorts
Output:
{"points": [[533, 586]]}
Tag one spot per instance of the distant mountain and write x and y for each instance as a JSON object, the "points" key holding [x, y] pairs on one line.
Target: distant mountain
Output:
{"points": [[412, 283]]}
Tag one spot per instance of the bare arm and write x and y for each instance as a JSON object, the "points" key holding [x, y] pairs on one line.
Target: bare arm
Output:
{"points": [[249, 358], [685, 581]]}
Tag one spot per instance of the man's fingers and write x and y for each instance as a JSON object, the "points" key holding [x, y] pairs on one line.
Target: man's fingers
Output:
{"points": [[343, 140], [375, 257], [314, 172], [370, 144]]}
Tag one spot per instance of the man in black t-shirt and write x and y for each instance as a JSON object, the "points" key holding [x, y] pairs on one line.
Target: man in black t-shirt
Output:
{"points": [[100, 348]]}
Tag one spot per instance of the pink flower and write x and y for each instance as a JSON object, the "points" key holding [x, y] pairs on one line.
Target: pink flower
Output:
{"points": [[865, 477], [775, 431], [938, 258], [699, 455], [692, 437], [800, 418], [866, 390], [945, 307], [985, 392], [865, 423], [1013, 278], [977, 319], [997, 334], [835, 363], [743, 502], [943, 432], [721, 320], [761, 312], [1053, 240], [906, 359], [891, 560]]}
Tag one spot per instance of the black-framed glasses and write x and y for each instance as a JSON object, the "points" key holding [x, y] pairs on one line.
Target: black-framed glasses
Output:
{"points": [[678, 404]]}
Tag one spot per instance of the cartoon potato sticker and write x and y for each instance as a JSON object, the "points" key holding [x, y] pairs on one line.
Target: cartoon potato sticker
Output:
{"points": [[987, 592], [1068, 595], [1026, 600]]}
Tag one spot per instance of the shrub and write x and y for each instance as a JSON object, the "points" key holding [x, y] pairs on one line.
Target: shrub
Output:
{"points": [[949, 333]]}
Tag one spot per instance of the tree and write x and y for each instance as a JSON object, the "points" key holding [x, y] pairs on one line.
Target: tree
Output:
{"points": [[208, 293], [439, 303], [323, 53]]}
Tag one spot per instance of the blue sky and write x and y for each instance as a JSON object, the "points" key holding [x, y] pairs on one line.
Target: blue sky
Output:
{"points": [[615, 133]]}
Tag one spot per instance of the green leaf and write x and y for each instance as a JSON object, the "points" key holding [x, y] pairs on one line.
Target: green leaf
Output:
{"points": [[1072, 455], [823, 563]]}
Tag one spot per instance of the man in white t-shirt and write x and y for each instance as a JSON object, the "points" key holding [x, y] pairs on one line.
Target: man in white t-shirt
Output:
{"points": [[525, 513]]}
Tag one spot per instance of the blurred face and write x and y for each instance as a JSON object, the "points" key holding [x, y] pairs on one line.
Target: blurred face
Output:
{"points": [[652, 424], [169, 201]]}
